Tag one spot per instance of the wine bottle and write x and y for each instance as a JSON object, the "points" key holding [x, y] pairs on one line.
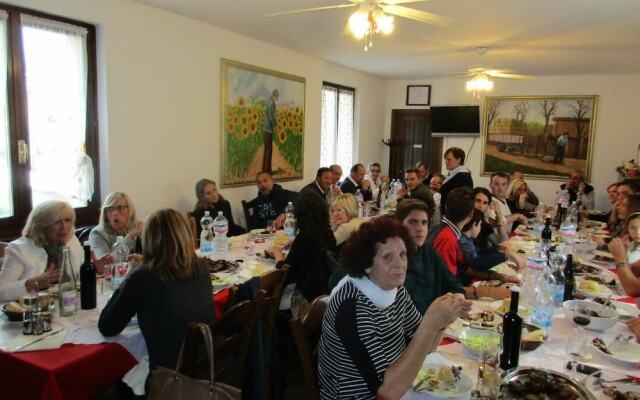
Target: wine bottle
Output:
{"points": [[67, 295], [88, 293], [546, 232], [511, 334], [569, 279], [558, 219]]}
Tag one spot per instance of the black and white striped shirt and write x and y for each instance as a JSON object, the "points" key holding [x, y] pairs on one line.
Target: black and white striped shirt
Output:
{"points": [[359, 341]]}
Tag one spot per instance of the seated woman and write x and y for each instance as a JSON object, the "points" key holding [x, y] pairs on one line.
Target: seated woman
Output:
{"points": [[307, 256], [626, 205], [172, 289], [209, 199], [520, 199], [33, 261], [344, 212], [627, 255], [117, 218], [373, 339]]}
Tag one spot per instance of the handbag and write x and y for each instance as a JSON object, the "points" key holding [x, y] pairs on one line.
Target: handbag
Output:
{"points": [[166, 383]]}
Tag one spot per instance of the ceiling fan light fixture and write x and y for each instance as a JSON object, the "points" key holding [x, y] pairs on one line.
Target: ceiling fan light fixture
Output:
{"points": [[479, 83], [359, 24], [384, 23]]}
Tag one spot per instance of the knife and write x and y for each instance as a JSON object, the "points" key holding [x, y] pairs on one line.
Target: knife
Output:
{"points": [[39, 339]]}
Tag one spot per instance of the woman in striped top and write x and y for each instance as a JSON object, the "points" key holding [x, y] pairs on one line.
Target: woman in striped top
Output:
{"points": [[373, 338]]}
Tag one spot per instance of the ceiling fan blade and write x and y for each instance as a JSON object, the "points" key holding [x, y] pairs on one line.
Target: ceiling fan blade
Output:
{"points": [[499, 74], [306, 10], [417, 15]]}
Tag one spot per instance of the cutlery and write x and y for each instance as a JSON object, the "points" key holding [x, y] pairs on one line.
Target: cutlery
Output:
{"points": [[39, 339]]}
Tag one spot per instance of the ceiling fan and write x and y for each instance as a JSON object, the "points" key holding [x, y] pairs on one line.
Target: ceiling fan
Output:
{"points": [[480, 81], [375, 16]]}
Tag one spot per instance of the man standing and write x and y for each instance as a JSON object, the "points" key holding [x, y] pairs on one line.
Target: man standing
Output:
{"points": [[577, 184], [269, 129], [561, 147], [416, 190], [322, 185], [271, 201], [355, 181], [499, 184]]}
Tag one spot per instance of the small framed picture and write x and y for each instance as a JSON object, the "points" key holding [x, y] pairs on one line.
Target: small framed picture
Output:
{"points": [[418, 95]]}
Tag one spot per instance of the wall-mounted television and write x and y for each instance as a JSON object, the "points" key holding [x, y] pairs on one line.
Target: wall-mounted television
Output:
{"points": [[455, 121]]}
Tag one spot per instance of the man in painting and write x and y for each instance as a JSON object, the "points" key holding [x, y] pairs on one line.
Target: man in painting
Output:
{"points": [[561, 147], [269, 129]]}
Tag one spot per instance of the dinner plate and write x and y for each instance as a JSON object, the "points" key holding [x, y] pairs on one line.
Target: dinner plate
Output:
{"points": [[261, 232], [602, 290], [524, 310], [627, 353], [626, 310], [460, 389]]}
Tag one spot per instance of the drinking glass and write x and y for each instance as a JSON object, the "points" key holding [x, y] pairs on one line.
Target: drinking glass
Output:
{"points": [[576, 343], [489, 372]]}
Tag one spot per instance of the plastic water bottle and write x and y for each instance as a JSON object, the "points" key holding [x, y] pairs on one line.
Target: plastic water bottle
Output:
{"points": [[206, 236], [220, 241], [289, 221], [119, 252], [360, 200], [543, 302], [569, 225], [538, 226]]}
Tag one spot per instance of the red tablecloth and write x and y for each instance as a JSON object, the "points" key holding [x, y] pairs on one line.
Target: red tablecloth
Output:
{"points": [[70, 372]]}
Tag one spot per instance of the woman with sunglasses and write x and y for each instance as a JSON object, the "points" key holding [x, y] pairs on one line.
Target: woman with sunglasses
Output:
{"points": [[117, 218]]}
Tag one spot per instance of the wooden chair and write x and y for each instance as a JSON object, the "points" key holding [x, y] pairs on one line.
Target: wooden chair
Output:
{"points": [[232, 335], [192, 225], [247, 207], [306, 336]]}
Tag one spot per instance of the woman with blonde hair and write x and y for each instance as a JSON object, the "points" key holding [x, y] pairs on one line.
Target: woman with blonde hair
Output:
{"points": [[520, 199], [170, 290], [345, 217], [210, 199], [117, 218], [33, 261]]}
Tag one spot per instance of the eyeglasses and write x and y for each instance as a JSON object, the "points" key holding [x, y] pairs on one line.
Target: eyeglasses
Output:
{"points": [[117, 208]]}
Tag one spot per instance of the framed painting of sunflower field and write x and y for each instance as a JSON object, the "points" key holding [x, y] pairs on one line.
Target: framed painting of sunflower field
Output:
{"points": [[262, 123]]}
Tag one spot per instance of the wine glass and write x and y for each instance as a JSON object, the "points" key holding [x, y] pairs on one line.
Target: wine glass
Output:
{"points": [[489, 372], [576, 343]]}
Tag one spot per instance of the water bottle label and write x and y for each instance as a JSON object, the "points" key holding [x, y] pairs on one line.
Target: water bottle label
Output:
{"points": [[206, 247], [68, 302]]}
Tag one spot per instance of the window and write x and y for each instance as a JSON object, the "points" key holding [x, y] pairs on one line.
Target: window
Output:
{"points": [[336, 142], [48, 116]]}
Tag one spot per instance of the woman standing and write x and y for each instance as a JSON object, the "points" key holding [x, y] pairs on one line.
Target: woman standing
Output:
{"points": [[117, 218], [172, 289], [373, 338], [459, 175], [33, 261], [209, 199]]}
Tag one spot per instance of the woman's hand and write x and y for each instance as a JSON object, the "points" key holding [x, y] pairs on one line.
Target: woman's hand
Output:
{"points": [[136, 230], [42, 281], [519, 261], [100, 263], [618, 250], [445, 309]]}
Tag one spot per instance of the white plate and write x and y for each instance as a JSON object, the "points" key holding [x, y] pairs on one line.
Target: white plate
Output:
{"points": [[628, 354], [524, 310], [472, 338], [504, 269], [626, 310], [604, 291], [260, 232], [460, 390]]}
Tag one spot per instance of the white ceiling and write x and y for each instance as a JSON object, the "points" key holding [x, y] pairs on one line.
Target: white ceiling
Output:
{"points": [[537, 37]]}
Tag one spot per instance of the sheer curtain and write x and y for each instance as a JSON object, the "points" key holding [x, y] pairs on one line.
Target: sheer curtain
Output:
{"points": [[337, 127], [6, 189], [55, 56]]}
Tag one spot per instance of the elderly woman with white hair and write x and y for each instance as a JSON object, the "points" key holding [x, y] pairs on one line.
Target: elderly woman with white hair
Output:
{"points": [[33, 261], [345, 217], [117, 218]]}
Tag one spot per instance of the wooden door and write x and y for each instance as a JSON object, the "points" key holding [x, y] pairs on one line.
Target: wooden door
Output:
{"points": [[411, 142]]}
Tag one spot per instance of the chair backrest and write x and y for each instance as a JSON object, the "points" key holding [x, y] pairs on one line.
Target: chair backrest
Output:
{"points": [[235, 329], [192, 225], [247, 207], [273, 285], [306, 335]]}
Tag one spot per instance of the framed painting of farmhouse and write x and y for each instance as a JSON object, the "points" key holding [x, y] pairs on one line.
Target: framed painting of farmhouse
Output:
{"points": [[546, 137], [262, 123]]}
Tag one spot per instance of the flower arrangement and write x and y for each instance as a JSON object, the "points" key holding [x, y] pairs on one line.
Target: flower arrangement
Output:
{"points": [[628, 169]]}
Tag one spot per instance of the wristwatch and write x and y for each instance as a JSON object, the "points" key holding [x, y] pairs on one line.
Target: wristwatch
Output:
{"points": [[622, 264]]}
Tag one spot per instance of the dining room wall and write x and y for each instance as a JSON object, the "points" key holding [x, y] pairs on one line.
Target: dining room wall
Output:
{"points": [[617, 134], [159, 100]]}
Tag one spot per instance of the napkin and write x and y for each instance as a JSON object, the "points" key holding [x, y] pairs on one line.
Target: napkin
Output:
{"points": [[51, 340]]}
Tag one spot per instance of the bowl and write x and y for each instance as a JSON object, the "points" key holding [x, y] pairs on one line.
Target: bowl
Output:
{"points": [[461, 391], [13, 316], [608, 316]]}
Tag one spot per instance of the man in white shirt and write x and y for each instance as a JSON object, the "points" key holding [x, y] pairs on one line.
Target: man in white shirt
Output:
{"points": [[499, 184], [374, 178]]}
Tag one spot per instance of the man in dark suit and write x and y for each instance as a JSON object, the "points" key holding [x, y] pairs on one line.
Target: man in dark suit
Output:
{"points": [[355, 181], [322, 184], [423, 173]]}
